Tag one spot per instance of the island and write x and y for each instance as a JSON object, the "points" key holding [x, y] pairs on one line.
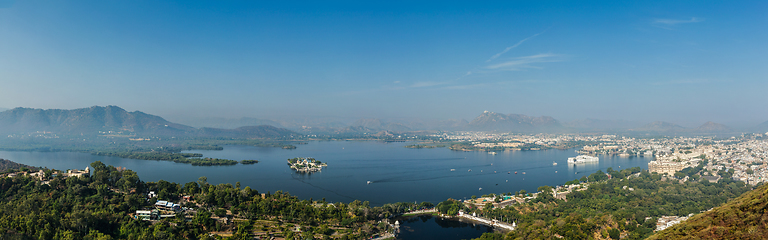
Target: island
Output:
{"points": [[249, 161], [306, 165], [419, 146]]}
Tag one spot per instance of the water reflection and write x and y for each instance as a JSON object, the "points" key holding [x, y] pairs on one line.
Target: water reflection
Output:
{"points": [[431, 227]]}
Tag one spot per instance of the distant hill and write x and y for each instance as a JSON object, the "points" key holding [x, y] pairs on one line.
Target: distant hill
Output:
{"points": [[491, 121], [707, 128], [742, 218], [598, 124], [263, 131], [761, 128], [378, 125], [451, 124], [711, 127], [91, 121], [315, 122], [228, 123], [660, 127], [86, 120], [8, 164]]}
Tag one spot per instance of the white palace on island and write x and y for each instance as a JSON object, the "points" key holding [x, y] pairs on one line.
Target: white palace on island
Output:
{"points": [[582, 159]]}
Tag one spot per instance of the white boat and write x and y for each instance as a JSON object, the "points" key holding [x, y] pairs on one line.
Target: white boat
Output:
{"points": [[453, 169], [582, 159], [481, 189], [369, 182], [469, 170], [554, 163], [492, 153]]}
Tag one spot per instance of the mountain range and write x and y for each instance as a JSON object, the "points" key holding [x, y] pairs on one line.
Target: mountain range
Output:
{"points": [[671, 128], [761, 128], [599, 124], [96, 119], [112, 118], [491, 121], [227, 123]]}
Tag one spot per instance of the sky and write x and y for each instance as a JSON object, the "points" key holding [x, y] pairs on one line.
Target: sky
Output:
{"points": [[685, 62]]}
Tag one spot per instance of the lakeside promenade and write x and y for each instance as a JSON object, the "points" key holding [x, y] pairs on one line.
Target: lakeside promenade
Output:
{"points": [[489, 222], [431, 210], [462, 215]]}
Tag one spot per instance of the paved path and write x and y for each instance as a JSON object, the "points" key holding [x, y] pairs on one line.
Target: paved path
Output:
{"points": [[431, 210], [489, 222], [385, 236]]}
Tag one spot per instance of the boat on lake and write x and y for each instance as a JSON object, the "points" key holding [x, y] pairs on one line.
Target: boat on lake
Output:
{"points": [[369, 182], [554, 163]]}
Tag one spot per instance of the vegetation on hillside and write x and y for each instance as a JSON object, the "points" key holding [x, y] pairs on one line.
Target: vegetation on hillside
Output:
{"points": [[100, 207], [626, 205], [743, 218], [10, 166]]}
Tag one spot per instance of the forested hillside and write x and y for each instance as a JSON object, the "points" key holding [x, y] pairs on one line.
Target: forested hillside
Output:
{"points": [[101, 206], [626, 205], [742, 218], [6, 165]]}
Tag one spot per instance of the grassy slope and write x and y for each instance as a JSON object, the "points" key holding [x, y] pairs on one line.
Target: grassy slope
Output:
{"points": [[743, 218]]}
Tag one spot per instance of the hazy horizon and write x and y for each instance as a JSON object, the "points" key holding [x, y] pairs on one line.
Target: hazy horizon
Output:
{"points": [[685, 62]]}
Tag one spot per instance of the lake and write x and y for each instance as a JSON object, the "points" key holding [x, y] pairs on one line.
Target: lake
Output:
{"points": [[398, 174], [431, 227]]}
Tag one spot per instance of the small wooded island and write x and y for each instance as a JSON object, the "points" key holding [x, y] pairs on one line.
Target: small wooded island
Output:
{"points": [[306, 165], [420, 146]]}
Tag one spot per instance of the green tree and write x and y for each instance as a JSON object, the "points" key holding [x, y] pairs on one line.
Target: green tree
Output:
{"points": [[614, 233]]}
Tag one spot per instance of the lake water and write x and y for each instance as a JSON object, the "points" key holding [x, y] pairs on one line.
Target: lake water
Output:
{"points": [[398, 174], [431, 227]]}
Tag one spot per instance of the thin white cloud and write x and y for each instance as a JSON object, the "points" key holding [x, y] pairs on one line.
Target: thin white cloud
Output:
{"points": [[672, 22], [526, 62], [513, 46]]}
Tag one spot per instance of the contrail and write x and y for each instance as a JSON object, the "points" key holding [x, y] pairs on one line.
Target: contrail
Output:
{"points": [[514, 46]]}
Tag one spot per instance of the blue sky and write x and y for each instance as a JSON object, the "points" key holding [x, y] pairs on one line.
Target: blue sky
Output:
{"points": [[680, 61]]}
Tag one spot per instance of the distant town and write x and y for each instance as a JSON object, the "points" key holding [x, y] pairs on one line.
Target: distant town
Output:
{"points": [[744, 157]]}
